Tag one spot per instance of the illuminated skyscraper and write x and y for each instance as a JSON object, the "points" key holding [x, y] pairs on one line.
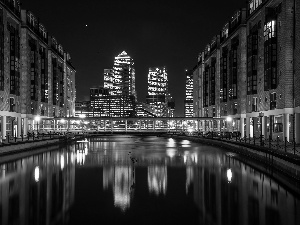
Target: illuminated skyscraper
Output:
{"points": [[157, 96], [188, 102], [124, 75], [109, 80]]}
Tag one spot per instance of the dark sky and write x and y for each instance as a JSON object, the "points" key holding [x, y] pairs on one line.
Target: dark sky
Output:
{"points": [[154, 33]]}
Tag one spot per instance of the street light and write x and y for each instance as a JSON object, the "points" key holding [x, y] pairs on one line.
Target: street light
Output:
{"points": [[261, 115], [37, 119], [228, 120], [62, 122]]}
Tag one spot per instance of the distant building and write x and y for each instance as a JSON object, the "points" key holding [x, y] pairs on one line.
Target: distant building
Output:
{"points": [[188, 102], [109, 80], [83, 109], [158, 95], [123, 75], [104, 104], [144, 110]]}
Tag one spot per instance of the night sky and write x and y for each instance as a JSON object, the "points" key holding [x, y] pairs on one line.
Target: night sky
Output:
{"points": [[154, 33]]}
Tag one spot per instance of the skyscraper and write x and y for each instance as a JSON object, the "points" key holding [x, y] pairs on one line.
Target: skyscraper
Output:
{"points": [[124, 75], [109, 80], [157, 96], [188, 102]]}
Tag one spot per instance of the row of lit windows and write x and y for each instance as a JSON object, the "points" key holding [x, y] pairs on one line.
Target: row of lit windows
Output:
{"points": [[253, 4]]}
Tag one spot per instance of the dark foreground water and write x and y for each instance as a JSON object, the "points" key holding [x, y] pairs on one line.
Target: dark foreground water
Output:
{"points": [[134, 180]]}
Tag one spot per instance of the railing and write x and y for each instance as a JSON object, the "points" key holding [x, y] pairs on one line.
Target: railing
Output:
{"points": [[32, 137], [273, 144]]}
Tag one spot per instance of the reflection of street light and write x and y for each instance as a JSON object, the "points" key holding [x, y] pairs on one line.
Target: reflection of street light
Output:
{"points": [[229, 175], [37, 119], [261, 114], [37, 174]]}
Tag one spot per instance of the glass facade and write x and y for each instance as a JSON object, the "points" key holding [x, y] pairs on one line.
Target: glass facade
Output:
{"points": [[124, 75], [157, 96]]}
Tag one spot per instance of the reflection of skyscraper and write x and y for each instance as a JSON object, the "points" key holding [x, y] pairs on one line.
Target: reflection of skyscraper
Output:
{"points": [[108, 177], [123, 181], [189, 177], [120, 178], [157, 179]]}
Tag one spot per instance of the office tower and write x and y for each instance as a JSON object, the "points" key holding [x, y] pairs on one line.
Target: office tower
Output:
{"points": [[188, 102], [157, 96], [103, 104], [109, 80], [124, 75]]}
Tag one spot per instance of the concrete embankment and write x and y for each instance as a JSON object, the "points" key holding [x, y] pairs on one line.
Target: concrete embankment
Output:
{"points": [[284, 167], [19, 147]]}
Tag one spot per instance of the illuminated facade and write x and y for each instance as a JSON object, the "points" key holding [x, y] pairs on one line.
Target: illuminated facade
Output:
{"points": [[123, 75], [109, 80], [250, 72], [36, 75], [83, 109], [104, 104], [158, 95], [188, 102], [144, 110]]}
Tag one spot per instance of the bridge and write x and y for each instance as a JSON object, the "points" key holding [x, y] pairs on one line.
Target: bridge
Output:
{"points": [[134, 124]]}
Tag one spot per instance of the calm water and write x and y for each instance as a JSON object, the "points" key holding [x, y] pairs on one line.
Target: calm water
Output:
{"points": [[134, 180]]}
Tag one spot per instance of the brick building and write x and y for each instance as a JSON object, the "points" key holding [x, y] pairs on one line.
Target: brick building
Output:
{"points": [[38, 78], [253, 82]]}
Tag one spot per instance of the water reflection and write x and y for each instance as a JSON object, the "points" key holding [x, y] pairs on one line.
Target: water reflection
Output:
{"points": [[120, 179], [157, 179], [38, 189], [145, 180]]}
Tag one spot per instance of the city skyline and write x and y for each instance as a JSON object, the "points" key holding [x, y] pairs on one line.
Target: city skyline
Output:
{"points": [[166, 34]]}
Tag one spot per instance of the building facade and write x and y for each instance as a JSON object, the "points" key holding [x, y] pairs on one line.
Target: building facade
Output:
{"points": [[109, 80], [103, 104], [124, 75], [158, 95], [188, 102], [257, 89], [38, 78]]}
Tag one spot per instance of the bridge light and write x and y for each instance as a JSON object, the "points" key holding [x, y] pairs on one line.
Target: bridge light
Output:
{"points": [[82, 116]]}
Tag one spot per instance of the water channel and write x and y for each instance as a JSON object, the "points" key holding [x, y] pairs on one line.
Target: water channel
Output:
{"points": [[140, 180]]}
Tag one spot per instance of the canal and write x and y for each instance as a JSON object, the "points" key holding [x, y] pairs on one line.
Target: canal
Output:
{"points": [[140, 180]]}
